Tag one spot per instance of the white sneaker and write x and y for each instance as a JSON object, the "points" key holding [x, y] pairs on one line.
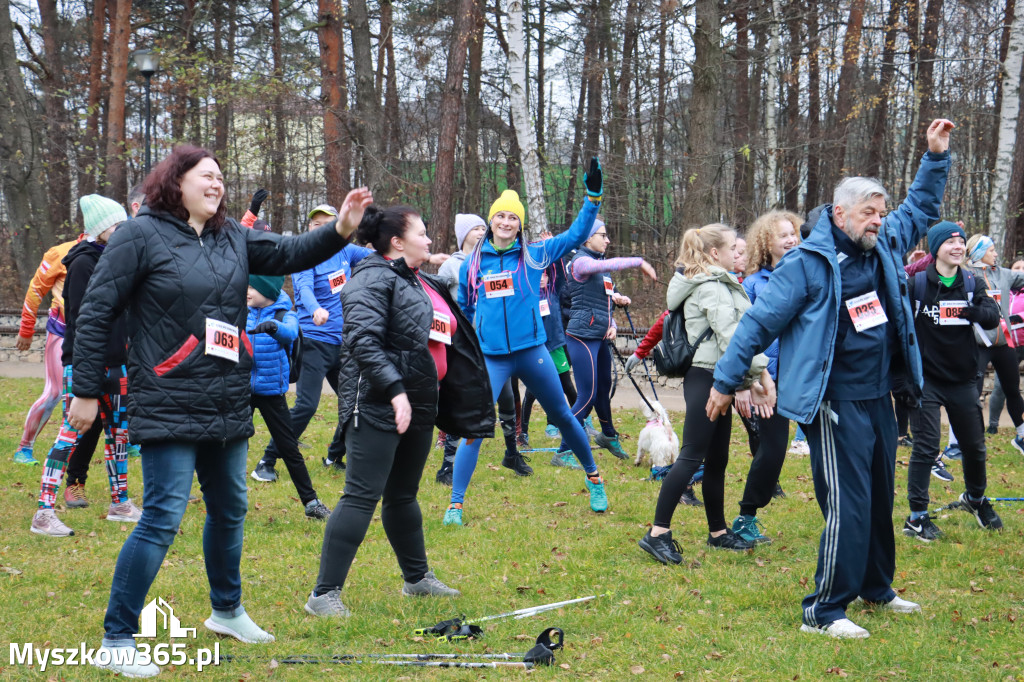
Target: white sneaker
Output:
{"points": [[901, 606], [123, 660], [45, 522], [241, 627], [844, 628], [800, 447], [124, 511]]}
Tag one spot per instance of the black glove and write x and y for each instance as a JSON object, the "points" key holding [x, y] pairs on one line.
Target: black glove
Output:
{"points": [[257, 200], [268, 327], [1016, 319], [971, 313], [594, 179]]}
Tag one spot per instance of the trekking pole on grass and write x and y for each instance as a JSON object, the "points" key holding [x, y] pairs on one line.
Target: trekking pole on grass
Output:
{"points": [[533, 610], [643, 361]]}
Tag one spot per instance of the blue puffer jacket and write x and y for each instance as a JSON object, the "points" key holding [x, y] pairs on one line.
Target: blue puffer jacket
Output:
{"points": [[270, 351], [511, 323], [800, 304], [753, 284], [313, 290]]}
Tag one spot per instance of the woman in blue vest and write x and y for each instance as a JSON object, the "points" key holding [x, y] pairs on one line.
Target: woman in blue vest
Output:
{"points": [[499, 289], [591, 291]]}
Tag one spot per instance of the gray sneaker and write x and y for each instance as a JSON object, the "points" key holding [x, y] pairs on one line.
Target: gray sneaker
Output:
{"points": [[429, 586], [45, 522], [327, 605], [124, 511]]}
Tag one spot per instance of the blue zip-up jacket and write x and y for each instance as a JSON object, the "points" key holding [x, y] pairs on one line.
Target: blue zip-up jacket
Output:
{"points": [[270, 351], [753, 284], [800, 304], [313, 290], [510, 323]]}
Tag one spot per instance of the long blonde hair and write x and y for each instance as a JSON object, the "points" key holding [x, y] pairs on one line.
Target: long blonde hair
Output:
{"points": [[760, 235], [695, 247]]}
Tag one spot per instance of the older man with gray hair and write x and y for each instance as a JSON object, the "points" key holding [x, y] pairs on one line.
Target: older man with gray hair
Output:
{"points": [[838, 304]]}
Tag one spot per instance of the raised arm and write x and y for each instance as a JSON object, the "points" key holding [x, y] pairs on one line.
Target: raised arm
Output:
{"points": [[923, 204]]}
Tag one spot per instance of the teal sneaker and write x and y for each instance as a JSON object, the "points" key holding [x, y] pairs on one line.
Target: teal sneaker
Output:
{"points": [[598, 497], [24, 456], [453, 515], [611, 444], [551, 431], [588, 426], [747, 528], [134, 450], [566, 459]]}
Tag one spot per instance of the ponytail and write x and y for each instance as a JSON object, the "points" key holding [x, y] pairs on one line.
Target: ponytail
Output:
{"points": [[379, 225], [695, 247]]}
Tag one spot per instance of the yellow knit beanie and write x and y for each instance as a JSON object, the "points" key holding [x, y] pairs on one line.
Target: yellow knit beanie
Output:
{"points": [[508, 201]]}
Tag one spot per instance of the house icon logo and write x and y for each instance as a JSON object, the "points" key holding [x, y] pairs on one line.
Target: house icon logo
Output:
{"points": [[160, 611]]}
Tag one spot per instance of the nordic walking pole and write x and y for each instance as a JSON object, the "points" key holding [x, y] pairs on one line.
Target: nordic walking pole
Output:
{"points": [[643, 361], [532, 610]]}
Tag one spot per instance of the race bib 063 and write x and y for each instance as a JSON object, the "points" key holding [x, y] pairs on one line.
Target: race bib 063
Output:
{"points": [[222, 339]]}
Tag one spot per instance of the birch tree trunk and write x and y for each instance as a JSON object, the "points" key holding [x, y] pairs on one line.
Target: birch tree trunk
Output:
{"points": [[771, 130], [521, 119], [1008, 114]]}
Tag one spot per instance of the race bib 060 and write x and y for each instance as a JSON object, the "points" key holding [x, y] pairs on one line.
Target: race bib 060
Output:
{"points": [[441, 328]]}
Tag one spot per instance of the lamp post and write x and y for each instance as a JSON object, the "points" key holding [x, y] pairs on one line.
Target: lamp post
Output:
{"points": [[148, 62]]}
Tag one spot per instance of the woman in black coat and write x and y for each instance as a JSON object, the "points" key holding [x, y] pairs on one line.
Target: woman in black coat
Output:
{"points": [[410, 358], [181, 270]]}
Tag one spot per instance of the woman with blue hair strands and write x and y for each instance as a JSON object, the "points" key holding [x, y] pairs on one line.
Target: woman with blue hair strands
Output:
{"points": [[499, 289]]}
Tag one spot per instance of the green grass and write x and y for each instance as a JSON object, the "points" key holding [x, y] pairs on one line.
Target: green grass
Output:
{"points": [[528, 542]]}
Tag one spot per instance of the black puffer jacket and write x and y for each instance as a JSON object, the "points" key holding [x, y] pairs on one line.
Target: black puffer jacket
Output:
{"points": [[80, 263], [385, 353], [171, 281]]}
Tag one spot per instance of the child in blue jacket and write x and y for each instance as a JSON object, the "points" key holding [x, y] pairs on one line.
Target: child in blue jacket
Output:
{"points": [[272, 336]]}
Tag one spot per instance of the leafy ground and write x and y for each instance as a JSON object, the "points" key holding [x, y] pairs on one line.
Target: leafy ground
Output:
{"points": [[528, 542]]}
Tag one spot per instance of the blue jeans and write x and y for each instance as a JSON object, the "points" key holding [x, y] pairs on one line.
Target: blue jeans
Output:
{"points": [[167, 468]]}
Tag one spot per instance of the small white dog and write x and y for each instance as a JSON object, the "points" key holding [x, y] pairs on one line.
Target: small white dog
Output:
{"points": [[658, 439]]}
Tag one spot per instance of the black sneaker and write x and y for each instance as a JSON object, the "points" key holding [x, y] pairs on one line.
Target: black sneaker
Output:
{"points": [[905, 442], [517, 462], [315, 509], [940, 471], [336, 464], [729, 540], [663, 548], [779, 492], [992, 430], [444, 475], [689, 498], [922, 528], [264, 473], [983, 512]]}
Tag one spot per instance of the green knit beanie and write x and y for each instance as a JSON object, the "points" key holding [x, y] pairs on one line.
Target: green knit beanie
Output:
{"points": [[267, 285], [100, 214]]}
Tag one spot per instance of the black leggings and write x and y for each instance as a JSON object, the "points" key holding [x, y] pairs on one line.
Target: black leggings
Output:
{"points": [[768, 441], [380, 463], [1004, 361], [274, 409], [567, 387], [704, 442]]}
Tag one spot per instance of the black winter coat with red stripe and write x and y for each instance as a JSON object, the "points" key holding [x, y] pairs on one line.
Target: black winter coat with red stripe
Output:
{"points": [[171, 281]]}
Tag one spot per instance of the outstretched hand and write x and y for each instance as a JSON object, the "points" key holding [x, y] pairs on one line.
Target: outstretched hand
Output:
{"points": [[938, 135], [594, 180], [257, 200], [352, 209]]}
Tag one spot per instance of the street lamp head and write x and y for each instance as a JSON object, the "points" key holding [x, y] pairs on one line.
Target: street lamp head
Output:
{"points": [[147, 61]]}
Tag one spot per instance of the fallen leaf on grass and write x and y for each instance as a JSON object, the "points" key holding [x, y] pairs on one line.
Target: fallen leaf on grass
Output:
{"points": [[523, 588], [10, 570], [597, 640], [713, 655], [564, 666], [559, 504], [523, 637], [637, 669], [836, 670], [418, 639]]}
